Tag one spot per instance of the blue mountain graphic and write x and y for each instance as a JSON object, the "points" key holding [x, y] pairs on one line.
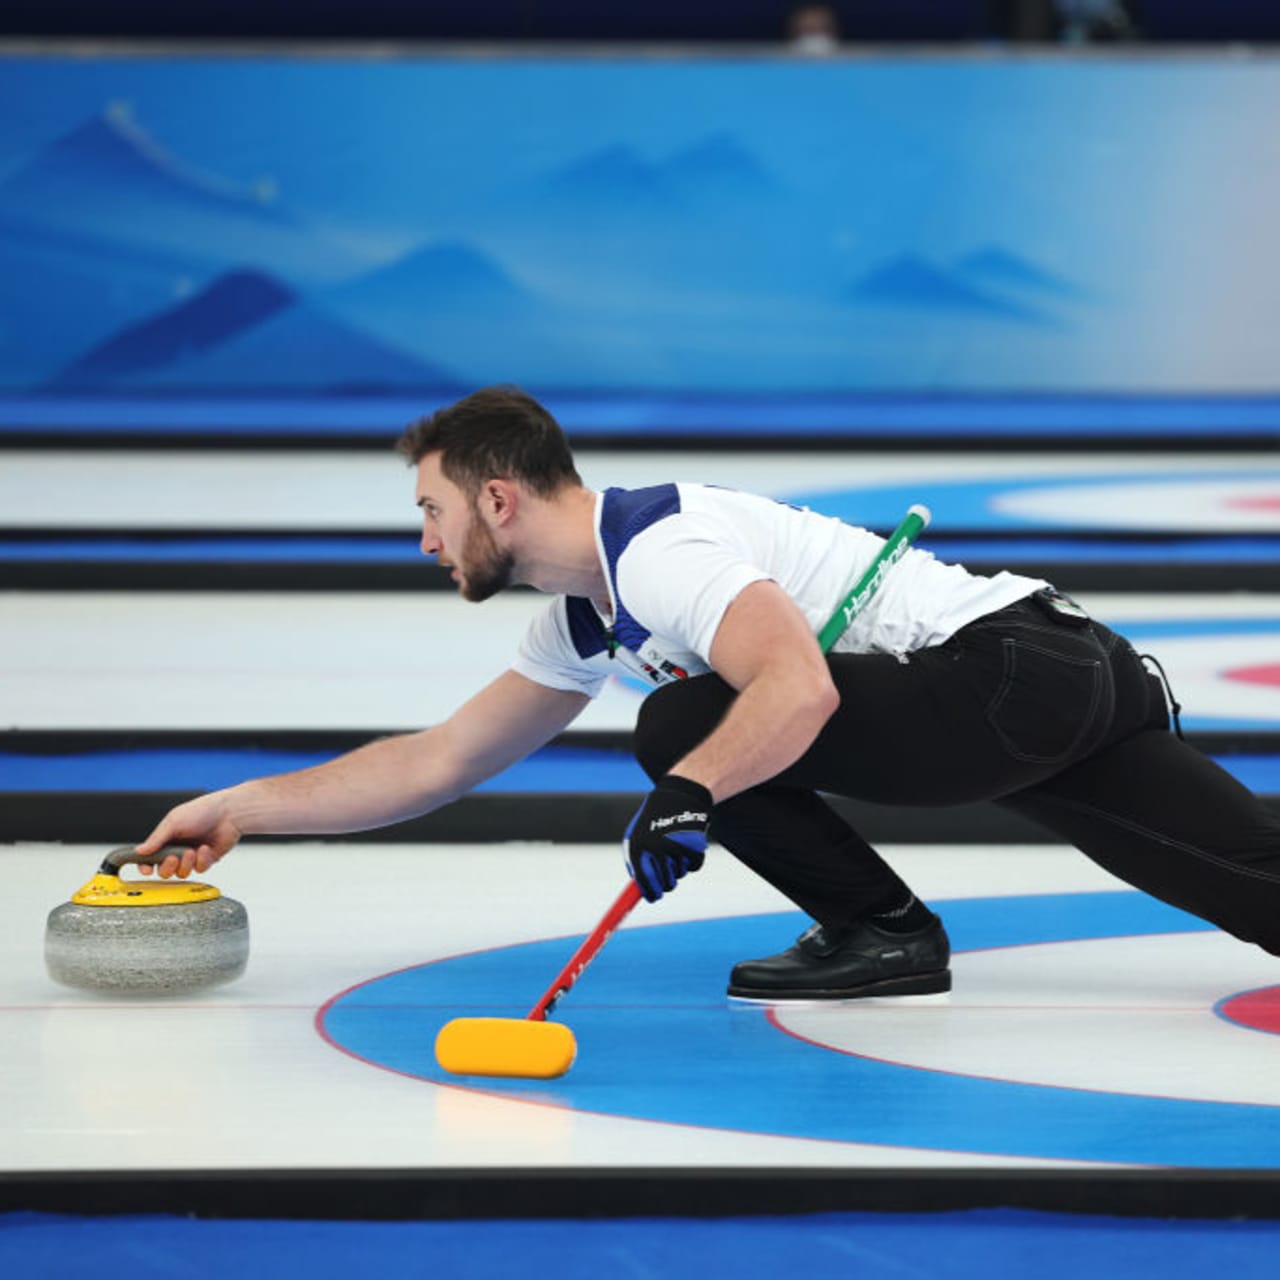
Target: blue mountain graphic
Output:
{"points": [[232, 303], [108, 185], [997, 266], [615, 176], [448, 272], [910, 281], [110, 152], [718, 166], [56, 302], [248, 331], [301, 349], [453, 303]]}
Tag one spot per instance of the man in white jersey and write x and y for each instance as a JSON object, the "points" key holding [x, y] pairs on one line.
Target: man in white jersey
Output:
{"points": [[949, 688]]}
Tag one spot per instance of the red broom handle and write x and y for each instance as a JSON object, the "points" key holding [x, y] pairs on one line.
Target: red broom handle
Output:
{"points": [[587, 952]]}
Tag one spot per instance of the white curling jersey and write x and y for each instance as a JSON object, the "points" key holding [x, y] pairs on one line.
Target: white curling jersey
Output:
{"points": [[676, 556]]}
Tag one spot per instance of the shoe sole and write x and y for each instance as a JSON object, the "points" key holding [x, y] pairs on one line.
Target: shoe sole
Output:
{"points": [[915, 984]]}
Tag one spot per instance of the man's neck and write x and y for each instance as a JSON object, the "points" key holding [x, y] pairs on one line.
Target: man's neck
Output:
{"points": [[559, 554]]}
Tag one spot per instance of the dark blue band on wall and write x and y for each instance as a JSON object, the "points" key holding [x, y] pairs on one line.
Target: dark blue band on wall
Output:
{"points": [[635, 418], [564, 770]]}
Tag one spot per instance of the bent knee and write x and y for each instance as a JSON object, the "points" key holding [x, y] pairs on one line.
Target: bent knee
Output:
{"points": [[676, 717]]}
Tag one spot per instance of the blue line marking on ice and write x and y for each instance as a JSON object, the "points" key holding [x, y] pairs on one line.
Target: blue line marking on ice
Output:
{"points": [[403, 549], [658, 1041], [553, 769], [183, 550]]}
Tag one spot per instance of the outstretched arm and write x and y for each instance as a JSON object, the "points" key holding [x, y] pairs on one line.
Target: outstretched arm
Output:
{"points": [[377, 784]]}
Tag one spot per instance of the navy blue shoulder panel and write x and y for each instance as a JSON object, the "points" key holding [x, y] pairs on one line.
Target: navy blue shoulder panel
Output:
{"points": [[625, 513], [586, 629]]}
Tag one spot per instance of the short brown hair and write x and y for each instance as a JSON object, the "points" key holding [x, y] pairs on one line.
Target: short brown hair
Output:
{"points": [[494, 432]]}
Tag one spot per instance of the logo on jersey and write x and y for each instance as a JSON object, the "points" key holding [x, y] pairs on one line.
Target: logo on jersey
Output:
{"points": [[650, 662]]}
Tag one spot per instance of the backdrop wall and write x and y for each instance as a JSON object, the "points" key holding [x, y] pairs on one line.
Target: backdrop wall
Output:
{"points": [[237, 224]]}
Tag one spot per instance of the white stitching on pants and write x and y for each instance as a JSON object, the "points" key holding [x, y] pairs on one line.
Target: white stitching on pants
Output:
{"points": [[1009, 649], [1129, 825]]}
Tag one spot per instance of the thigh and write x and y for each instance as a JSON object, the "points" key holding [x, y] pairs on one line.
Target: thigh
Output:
{"points": [[1163, 817], [676, 717], [1002, 705], [908, 730]]}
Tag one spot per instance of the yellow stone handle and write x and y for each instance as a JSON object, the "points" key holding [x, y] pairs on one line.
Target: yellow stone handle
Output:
{"points": [[126, 854]]}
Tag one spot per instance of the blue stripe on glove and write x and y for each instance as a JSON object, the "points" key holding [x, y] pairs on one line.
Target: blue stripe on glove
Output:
{"points": [[667, 836]]}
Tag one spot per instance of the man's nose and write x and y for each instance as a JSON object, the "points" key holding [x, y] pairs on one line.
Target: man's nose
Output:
{"points": [[430, 542]]}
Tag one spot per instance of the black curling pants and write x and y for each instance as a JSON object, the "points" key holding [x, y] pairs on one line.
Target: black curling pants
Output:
{"points": [[1061, 724]]}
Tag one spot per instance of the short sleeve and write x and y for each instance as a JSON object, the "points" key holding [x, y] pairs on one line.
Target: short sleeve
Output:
{"points": [[680, 584], [547, 655]]}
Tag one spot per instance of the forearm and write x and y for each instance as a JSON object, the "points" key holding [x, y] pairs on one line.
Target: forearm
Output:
{"points": [[768, 727], [376, 785]]}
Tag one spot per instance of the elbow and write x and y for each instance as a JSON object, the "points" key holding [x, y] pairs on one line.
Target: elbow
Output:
{"points": [[822, 698], [449, 782], [829, 700]]}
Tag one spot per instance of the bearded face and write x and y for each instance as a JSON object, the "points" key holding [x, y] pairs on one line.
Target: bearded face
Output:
{"points": [[483, 568]]}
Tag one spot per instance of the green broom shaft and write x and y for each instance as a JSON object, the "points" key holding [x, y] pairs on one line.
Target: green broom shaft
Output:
{"points": [[913, 524]]}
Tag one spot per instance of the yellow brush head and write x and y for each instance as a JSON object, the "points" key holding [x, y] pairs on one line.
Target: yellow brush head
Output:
{"points": [[505, 1047]]}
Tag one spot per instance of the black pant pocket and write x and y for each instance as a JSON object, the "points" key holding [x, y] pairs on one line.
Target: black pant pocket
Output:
{"points": [[1051, 704]]}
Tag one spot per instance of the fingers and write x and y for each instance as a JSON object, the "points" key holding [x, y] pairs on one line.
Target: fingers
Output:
{"points": [[198, 858], [169, 830], [180, 865], [163, 834], [205, 837], [693, 849], [153, 844], [157, 840], [657, 874], [648, 876]]}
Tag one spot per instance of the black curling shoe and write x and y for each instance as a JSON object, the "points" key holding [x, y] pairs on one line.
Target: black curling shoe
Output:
{"points": [[848, 964]]}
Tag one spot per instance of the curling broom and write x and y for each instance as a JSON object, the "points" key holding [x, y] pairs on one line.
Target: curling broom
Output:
{"points": [[534, 1048]]}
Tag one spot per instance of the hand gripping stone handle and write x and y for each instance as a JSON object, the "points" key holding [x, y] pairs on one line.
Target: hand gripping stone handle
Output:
{"points": [[126, 854]]}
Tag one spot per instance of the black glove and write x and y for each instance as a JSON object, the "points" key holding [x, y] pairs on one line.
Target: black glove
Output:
{"points": [[667, 837]]}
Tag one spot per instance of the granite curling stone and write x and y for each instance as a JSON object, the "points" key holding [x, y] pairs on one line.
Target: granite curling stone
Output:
{"points": [[133, 937]]}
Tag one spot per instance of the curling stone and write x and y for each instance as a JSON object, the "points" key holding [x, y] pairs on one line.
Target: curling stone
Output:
{"points": [[134, 937]]}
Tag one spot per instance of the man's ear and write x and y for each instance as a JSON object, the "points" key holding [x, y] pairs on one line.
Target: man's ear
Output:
{"points": [[499, 501]]}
